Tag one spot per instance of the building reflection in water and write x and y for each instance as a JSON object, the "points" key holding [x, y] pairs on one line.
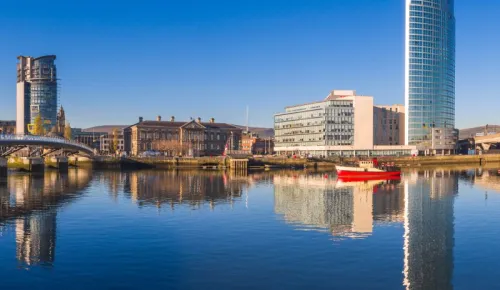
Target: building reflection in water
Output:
{"points": [[29, 202], [423, 203], [487, 179], [170, 188], [429, 229], [344, 209]]}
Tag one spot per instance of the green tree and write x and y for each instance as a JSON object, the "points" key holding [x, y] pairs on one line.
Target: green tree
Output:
{"points": [[67, 131], [113, 145], [38, 128]]}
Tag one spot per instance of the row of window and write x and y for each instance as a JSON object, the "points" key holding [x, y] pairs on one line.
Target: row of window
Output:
{"points": [[422, 43], [436, 14], [431, 113], [427, 8], [448, 102], [432, 21], [175, 136]]}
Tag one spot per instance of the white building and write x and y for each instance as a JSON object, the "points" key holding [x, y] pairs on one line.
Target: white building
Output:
{"points": [[340, 125], [107, 140]]}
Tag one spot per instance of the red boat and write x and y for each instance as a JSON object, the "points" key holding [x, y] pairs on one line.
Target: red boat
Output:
{"points": [[369, 170], [351, 178]]}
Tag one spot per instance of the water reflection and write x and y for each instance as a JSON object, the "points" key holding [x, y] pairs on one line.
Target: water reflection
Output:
{"points": [[484, 178], [194, 189], [28, 204], [313, 201], [423, 203], [429, 229], [421, 206]]}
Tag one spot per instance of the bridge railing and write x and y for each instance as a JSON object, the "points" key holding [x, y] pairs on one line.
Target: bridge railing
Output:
{"points": [[60, 140]]}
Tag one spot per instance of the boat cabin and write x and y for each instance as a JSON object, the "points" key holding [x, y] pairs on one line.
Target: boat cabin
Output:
{"points": [[366, 164]]}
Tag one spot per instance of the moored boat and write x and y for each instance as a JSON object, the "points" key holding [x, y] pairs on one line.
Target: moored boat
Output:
{"points": [[369, 169]]}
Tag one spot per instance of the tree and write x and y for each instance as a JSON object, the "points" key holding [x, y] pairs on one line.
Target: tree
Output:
{"points": [[67, 131], [171, 147], [38, 128], [113, 145]]}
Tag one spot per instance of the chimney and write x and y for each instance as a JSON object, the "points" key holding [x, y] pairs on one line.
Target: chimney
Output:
{"points": [[140, 119], [199, 120], [158, 118], [212, 120], [172, 119]]}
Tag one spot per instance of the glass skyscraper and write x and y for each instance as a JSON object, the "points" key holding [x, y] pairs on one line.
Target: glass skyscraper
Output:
{"points": [[36, 92], [430, 71]]}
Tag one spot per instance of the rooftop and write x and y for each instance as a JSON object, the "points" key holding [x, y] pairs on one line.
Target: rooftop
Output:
{"points": [[104, 128], [177, 124], [334, 95]]}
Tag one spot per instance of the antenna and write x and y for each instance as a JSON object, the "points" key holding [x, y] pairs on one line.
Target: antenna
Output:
{"points": [[247, 119]]}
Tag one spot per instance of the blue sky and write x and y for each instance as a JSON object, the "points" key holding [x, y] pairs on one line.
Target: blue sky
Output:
{"points": [[119, 60]]}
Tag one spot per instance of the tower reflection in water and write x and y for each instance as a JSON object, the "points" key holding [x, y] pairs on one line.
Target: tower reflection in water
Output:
{"points": [[29, 204], [422, 202], [429, 229]]}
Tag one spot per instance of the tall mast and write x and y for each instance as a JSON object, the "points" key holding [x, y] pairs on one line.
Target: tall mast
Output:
{"points": [[247, 119]]}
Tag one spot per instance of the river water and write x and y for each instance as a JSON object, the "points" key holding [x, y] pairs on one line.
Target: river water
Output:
{"points": [[433, 229]]}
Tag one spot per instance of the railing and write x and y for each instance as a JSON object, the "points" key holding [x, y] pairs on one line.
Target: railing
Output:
{"points": [[59, 140]]}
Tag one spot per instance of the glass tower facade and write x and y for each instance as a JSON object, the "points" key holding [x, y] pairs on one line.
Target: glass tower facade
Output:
{"points": [[36, 92], [430, 69], [43, 90]]}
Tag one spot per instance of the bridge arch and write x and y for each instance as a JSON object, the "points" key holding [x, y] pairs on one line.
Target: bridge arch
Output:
{"points": [[48, 142]]}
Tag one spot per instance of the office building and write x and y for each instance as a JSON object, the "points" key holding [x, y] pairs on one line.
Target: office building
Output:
{"points": [[107, 142], [91, 139], [389, 125], [430, 74], [340, 125], [36, 92], [186, 138]]}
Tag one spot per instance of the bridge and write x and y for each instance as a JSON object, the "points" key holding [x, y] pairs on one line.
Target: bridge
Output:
{"points": [[14, 143], [485, 142]]}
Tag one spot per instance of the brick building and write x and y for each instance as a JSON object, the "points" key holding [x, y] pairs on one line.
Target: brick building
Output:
{"points": [[256, 145], [174, 138]]}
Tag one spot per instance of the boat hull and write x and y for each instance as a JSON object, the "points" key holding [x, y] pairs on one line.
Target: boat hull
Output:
{"points": [[367, 173], [351, 178]]}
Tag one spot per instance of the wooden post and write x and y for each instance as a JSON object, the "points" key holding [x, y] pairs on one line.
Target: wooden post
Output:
{"points": [[3, 167]]}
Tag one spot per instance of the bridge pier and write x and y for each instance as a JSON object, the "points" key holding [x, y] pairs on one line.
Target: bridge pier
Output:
{"points": [[3, 167], [60, 162], [73, 160], [34, 164], [238, 164]]}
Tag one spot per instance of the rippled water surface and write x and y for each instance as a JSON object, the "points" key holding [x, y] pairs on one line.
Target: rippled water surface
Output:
{"points": [[434, 229]]}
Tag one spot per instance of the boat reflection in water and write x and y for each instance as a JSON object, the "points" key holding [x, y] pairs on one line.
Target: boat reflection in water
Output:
{"points": [[28, 204], [342, 208], [422, 201], [420, 204]]}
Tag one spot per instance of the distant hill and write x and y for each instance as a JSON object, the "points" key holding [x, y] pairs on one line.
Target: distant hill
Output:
{"points": [[471, 132], [262, 132]]}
